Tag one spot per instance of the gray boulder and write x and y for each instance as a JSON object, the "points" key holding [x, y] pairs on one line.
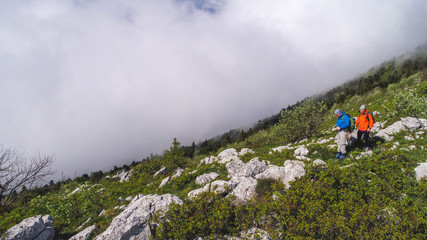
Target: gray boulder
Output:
{"points": [[33, 228], [228, 155], [237, 168], [421, 171], [319, 162], [135, 221], [409, 122], [178, 172], [218, 186], [252, 234], [205, 178], [245, 151], [161, 171], [292, 169], [164, 181], [123, 175], [85, 234], [243, 188]]}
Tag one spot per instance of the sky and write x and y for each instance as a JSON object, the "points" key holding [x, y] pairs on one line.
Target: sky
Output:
{"points": [[98, 83]]}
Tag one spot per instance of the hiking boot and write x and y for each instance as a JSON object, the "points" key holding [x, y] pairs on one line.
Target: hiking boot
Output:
{"points": [[342, 156], [338, 155]]}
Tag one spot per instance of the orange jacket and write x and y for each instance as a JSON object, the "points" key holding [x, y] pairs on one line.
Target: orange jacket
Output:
{"points": [[363, 122]]}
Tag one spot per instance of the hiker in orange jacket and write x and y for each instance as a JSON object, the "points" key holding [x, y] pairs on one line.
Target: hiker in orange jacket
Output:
{"points": [[365, 121]]}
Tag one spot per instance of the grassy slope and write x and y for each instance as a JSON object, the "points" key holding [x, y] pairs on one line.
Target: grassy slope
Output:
{"points": [[382, 187]]}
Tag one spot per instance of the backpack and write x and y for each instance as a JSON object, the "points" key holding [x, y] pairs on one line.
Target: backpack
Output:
{"points": [[352, 124], [367, 118]]}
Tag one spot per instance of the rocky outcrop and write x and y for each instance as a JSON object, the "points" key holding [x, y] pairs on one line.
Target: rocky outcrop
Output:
{"points": [[85, 234], [244, 177], [205, 178], [280, 149], [123, 175], [245, 151], [178, 172], [164, 181], [292, 169], [421, 171], [252, 234], [409, 122], [319, 162], [228, 155], [33, 228], [301, 153], [135, 221], [243, 188], [218, 186], [161, 171], [239, 169]]}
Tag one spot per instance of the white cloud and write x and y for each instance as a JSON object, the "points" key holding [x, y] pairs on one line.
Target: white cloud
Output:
{"points": [[101, 83]]}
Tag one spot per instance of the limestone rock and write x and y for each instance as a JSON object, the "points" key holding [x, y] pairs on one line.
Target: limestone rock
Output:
{"points": [[209, 160], [161, 171], [280, 149], [227, 155], [205, 178], [319, 162], [252, 234], [123, 175], [164, 181], [301, 151], [245, 151], [411, 123], [218, 186], [239, 169], [408, 122], [421, 171], [244, 188], [34, 228], [135, 221], [85, 234], [288, 173], [178, 173]]}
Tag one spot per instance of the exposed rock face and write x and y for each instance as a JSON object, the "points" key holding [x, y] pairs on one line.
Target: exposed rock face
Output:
{"points": [[301, 153], [205, 178], [161, 171], [319, 162], [227, 155], [135, 221], [421, 171], [280, 149], [408, 122], [164, 181], [252, 234], [85, 234], [291, 170], [239, 169], [244, 187], [218, 186], [178, 173], [209, 160], [245, 151], [243, 177], [123, 175], [33, 228]]}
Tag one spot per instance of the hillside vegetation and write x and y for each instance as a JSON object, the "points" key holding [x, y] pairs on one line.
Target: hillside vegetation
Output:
{"points": [[364, 196]]}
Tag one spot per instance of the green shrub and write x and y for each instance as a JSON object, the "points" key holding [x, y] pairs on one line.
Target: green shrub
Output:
{"points": [[265, 186], [410, 104]]}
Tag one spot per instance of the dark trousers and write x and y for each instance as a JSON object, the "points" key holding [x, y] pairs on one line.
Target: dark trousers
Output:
{"points": [[363, 139]]}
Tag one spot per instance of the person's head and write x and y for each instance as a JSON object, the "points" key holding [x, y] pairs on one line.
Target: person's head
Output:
{"points": [[362, 109], [338, 112]]}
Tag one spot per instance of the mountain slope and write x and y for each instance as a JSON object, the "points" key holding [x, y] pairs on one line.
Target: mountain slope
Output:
{"points": [[371, 195]]}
